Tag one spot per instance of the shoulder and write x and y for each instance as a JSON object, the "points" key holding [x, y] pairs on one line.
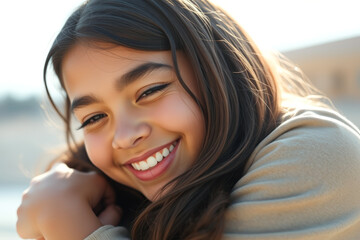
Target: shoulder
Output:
{"points": [[311, 136], [301, 180]]}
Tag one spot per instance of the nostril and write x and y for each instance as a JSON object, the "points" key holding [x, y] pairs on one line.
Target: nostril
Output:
{"points": [[115, 145], [137, 140], [128, 136]]}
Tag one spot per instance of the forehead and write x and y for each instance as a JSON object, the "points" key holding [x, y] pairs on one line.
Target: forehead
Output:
{"points": [[87, 62], [107, 56]]}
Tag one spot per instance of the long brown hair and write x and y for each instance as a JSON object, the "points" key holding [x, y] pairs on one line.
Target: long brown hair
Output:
{"points": [[239, 98]]}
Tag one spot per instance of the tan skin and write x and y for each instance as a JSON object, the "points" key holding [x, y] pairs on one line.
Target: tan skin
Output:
{"points": [[123, 125], [57, 201]]}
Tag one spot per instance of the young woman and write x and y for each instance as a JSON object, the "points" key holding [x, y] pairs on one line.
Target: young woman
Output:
{"points": [[189, 133]]}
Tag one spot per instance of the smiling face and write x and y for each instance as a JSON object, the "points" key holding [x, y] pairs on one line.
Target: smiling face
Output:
{"points": [[140, 126]]}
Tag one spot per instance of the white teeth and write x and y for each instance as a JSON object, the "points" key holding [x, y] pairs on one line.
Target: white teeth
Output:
{"points": [[152, 161], [136, 166], [165, 152], [144, 166], [159, 157]]}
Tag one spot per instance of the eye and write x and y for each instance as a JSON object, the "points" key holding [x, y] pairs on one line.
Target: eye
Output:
{"points": [[92, 120], [152, 90]]}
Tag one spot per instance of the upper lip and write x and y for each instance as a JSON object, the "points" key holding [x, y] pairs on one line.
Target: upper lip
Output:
{"points": [[148, 153]]}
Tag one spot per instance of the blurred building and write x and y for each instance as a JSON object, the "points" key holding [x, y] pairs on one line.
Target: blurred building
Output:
{"points": [[333, 67]]}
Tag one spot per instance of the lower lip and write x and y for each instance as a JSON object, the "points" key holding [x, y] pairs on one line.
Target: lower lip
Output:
{"points": [[158, 170]]}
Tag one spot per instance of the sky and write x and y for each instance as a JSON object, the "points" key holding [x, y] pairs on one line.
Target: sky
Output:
{"points": [[29, 27]]}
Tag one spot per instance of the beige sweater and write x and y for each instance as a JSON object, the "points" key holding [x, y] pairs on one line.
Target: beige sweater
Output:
{"points": [[301, 182]]}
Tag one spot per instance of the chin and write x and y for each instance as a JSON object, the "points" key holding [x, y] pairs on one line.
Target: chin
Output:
{"points": [[155, 194]]}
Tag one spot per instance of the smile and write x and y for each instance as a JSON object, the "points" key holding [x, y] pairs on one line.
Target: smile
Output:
{"points": [[152, 161], [155, 164]]}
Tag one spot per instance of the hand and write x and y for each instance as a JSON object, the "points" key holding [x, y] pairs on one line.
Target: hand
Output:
{"points": [[60, 203]]}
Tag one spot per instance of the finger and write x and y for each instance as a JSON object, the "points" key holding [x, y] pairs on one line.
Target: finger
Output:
{"points": [[26, 230], [101, 192], [109, 195], [25, 226], [111, 215]]}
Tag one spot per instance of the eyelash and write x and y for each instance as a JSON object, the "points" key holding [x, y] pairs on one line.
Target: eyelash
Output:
{"points": [[92, 120], [152, 90], [146, 93]]}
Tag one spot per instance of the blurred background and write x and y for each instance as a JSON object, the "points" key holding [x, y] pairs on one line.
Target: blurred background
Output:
{"points": [[321, 36]]}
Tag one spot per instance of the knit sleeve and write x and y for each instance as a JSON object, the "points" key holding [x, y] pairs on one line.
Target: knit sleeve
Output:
{"points": [[303, 182], [109, 232]]}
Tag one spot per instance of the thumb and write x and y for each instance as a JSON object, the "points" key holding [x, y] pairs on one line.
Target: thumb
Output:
{"points": [[111, 215]]}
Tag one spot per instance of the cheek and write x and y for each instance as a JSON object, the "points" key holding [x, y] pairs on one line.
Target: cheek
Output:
{"points": [[98, 151], [179, 114]]}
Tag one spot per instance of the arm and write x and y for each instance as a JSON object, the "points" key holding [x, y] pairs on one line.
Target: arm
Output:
{"points": [[303, 183], [59, 205]]}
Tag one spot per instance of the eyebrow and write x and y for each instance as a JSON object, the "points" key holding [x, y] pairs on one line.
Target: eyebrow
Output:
{"points": [[139, 72], [83, 101], [121, 83]]}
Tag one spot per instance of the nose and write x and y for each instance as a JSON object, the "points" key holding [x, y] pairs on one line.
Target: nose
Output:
{"points": [[129, 133]]}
